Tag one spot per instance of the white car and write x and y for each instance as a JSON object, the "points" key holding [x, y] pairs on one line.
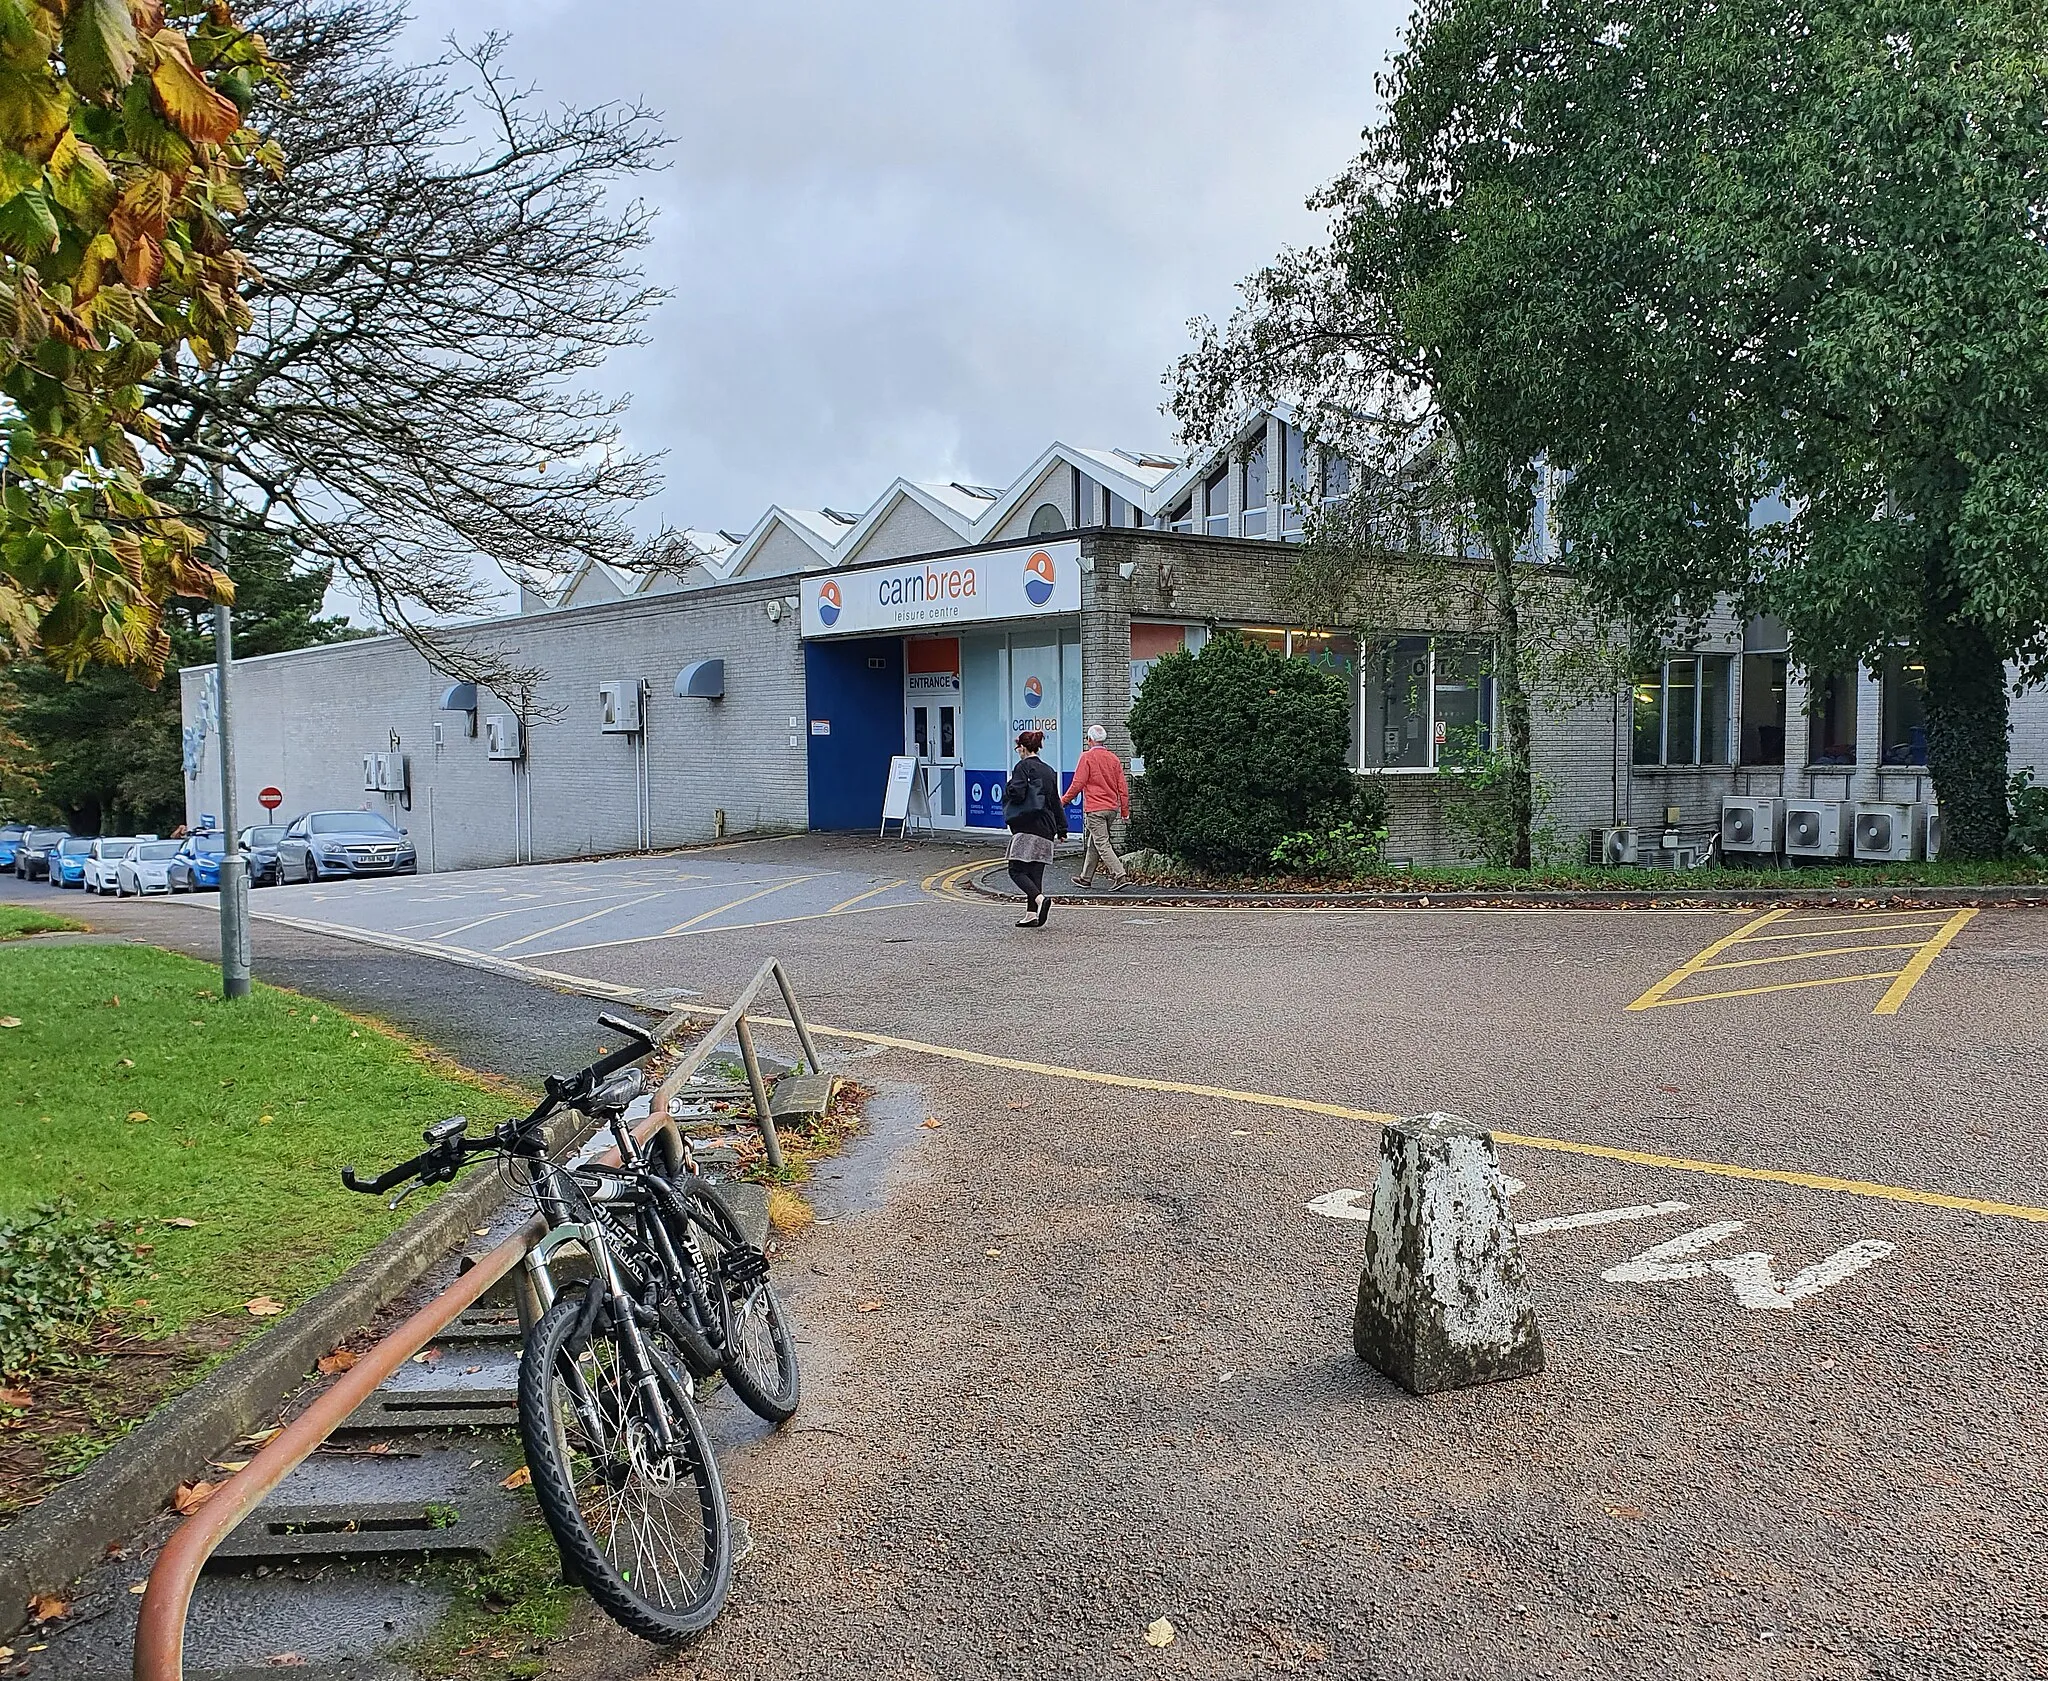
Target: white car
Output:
{"points": [[100, 863], [146, 868]]}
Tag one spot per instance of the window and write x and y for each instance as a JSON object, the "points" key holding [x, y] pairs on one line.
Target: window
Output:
{"points": [[1255, 488], [1682, 710], [1182, 518], [1336, 478], [1764, 645], [1046, 520], [1428, 702], [1293, 477], [1216, 504], [1831, 719], [1902, 711], [1087, 501]]}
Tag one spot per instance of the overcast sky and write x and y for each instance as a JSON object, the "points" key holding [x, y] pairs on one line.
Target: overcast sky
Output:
{"points": [[926, 237]]}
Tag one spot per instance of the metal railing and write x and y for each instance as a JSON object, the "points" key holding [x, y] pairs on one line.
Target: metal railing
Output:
{"points": [[167, 1600]]}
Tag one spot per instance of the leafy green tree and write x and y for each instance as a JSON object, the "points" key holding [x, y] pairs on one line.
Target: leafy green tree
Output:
{"points": [[123, 153], [1243, 748], [107, 744], [1820, 287]]}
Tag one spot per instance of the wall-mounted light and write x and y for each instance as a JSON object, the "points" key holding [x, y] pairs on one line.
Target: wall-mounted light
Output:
{"points": [[774, 611], [705, 679], [1087, 563], [1125, 568], [461, 697]]}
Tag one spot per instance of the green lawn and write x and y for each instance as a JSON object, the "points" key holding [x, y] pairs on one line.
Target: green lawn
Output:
{"points": [[1720, 878], [131, 1089], [17, 920]]}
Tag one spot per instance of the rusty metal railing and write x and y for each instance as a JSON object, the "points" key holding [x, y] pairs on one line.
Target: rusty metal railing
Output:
{"points": [[167, 1601]]}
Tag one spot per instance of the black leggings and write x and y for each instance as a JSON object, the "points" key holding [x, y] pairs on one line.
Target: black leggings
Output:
{"points": [[1030, 878]]}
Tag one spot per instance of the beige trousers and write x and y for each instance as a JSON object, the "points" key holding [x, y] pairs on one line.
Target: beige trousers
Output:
{"points": [[1095, 829]]}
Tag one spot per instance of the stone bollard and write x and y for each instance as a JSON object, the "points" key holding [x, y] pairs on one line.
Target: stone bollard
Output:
{"points": [[1444, 1299]]}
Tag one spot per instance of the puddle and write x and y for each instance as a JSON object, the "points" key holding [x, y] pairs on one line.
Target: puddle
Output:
{"points": [[858, 1179]]}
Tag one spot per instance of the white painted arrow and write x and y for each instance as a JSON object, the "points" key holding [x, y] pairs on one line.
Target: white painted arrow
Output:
{"points": [[1341, 1205], [1345, 1205], [1750, 1275]]}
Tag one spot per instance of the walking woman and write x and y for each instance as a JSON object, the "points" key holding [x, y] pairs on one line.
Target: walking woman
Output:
{"points": [[1032, 809]]}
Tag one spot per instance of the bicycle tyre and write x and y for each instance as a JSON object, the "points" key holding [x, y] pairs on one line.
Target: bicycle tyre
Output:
{"points": [[760, 1353], [558, 1441]]}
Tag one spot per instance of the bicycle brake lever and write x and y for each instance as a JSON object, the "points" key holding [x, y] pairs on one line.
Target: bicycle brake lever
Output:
{"points": [[402, 1195]]}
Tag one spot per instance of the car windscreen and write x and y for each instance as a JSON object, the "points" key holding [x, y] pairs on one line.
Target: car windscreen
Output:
{"points": [[76, 847], [43, 837], [211, 846], [112, 846], [349, 823], [269, 835], [157, 851]]}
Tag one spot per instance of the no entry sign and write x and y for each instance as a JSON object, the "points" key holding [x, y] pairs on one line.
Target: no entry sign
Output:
{"points": [[270, 798]]}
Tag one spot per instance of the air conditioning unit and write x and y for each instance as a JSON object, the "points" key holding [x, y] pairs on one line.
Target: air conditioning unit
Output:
{"points": [[394, 773], [1620, 846], [372, 771], [1813, 829], [503, 738], [1749, 825], [1883, 831], [1928, 817], [621, 707]]}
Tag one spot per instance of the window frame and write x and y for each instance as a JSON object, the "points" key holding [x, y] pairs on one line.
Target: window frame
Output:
{"points": [[1370, 652], [1730, 722], [1892, 667], [1220, 481]]}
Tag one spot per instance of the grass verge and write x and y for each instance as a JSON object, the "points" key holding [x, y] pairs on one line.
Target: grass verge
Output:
{"points": [[18, 922], [1719, 878], [209, 1137], [507, 1609]]}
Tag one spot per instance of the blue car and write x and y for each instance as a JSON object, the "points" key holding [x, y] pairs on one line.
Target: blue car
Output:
{"points": [[67, 863], [10, 838], [196, 869]]}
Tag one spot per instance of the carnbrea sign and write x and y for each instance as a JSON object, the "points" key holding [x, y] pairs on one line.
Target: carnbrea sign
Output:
{"points": [[1026, 582]]}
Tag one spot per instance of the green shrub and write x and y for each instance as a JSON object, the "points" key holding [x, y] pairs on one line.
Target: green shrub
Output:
{"points": [[57, 1271], [1242, 747], [2029, 833], [1477, 791], [1343, 852]]}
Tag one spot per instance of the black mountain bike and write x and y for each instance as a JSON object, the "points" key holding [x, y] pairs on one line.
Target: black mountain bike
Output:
{"points": [[672, 1294]]}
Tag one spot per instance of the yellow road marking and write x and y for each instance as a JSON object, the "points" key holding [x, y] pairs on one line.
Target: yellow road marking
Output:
{"points": [[1802, 956], [1525, 1141], [723, 928], [1693, 965], [1903, 980], [856, 899], [947, 881], [1909, 977], [734, 904]]}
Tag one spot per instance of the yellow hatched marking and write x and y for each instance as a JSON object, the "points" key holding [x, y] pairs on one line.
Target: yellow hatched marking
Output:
{"points": [[858, 897], [1802, 956], [1859, 928], [578, 921], [1909, 977], [734, 904], [1693, 965], [1778, 986]]}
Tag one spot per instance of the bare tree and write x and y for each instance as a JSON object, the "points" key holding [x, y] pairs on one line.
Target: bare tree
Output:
{"points": [[439, 256]]}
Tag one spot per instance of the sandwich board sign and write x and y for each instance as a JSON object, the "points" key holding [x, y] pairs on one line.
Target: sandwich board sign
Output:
{"points": [[905, 798]]}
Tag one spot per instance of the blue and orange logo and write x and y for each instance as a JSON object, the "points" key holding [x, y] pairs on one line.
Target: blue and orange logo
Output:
{"points": [[1038, 578], [1034, 691], [828, 603]]}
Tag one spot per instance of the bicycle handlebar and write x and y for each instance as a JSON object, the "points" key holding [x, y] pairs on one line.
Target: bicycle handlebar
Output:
{"points": [[447, 1146]]}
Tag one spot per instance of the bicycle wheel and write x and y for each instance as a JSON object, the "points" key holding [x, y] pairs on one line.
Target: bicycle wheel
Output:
{"points": [[760, 1353], [645, 1530]]}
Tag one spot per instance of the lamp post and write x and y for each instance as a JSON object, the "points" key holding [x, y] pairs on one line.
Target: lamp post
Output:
{"points": [[234, 868]]}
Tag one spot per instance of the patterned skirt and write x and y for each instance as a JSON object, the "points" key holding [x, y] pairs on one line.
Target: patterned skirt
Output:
{"points": [[1030, 848]]}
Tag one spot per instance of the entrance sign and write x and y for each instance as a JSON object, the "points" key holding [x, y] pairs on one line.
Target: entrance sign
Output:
{"points": [[905, 798], [270, 798], [1025, 582]]}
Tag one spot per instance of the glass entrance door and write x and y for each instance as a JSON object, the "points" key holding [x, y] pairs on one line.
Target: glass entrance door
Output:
{"points": [[932, 728]]}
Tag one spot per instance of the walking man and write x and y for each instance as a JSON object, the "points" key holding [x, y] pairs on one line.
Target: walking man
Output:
{"points": [[1099, 780]]}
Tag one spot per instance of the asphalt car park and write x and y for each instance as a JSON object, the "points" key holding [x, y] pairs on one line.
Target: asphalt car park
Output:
{"points": [[1077, 1312]]}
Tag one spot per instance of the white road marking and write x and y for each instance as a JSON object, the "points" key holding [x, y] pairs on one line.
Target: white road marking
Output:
{"points": [[1599, 1217], [1750, 1275], [1342, 1205]]}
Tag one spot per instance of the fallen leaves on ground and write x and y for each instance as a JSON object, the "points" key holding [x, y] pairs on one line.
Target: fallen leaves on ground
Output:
{"points": [[931, 1121], [125, 1062], [263, 1307], [138, 1114], [10, 1021], [284, 1660], [519, 1478], [867, 1306], [138, 1587], [257, 1438], [1026, 1104], [229, 1465], [1159, 1633], [191, 1496], [184, 1223], [426, 1357], [47, 1607], [339, 1361], [18, 1399], [992, 1254]]}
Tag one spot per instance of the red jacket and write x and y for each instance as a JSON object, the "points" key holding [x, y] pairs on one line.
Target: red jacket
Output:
{"points": [[1099, 780]]}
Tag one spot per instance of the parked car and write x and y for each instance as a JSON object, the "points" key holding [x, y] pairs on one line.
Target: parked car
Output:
{"points": [[259, 845], [10, 838], [106, 853], [325, 844], [147, 868], [66, 866], [32, 855], [197, 865]]}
